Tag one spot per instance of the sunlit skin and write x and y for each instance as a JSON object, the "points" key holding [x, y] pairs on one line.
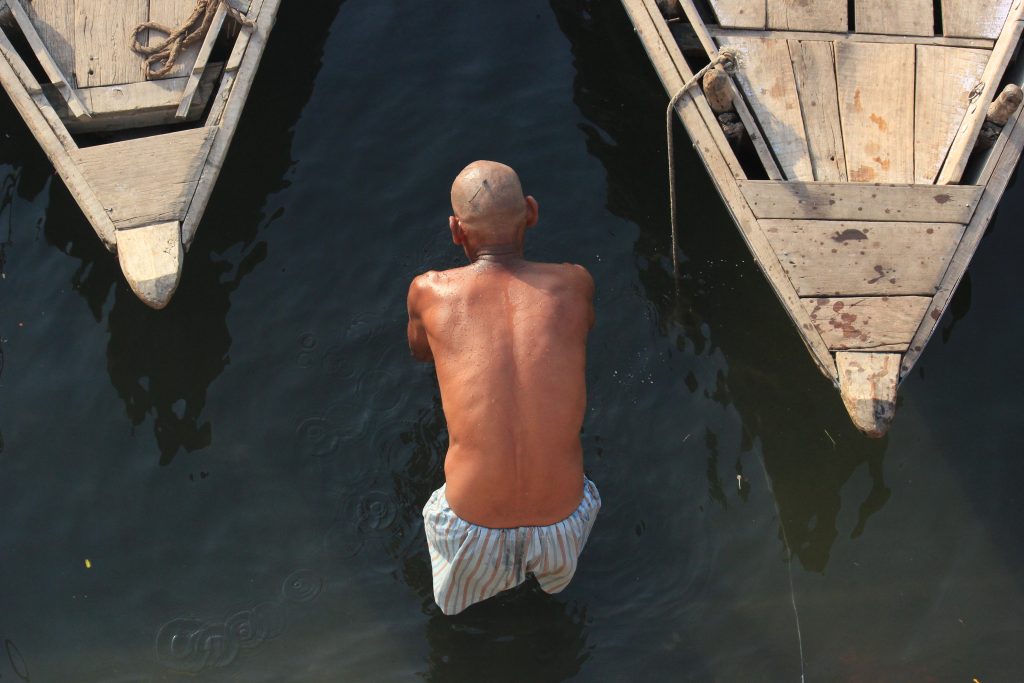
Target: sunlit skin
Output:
{"points": [[508, 340]]}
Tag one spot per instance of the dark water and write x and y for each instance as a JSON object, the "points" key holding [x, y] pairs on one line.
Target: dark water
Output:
{"points": [[251, 462]]}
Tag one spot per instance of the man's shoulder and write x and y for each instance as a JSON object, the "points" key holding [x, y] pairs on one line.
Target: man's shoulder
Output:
{"points": [[570, 274]]}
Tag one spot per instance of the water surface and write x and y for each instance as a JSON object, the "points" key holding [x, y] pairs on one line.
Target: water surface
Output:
{"points": [[249, 464]]}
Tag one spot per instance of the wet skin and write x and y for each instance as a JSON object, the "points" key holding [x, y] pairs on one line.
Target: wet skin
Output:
{"points": [[508, 339]]}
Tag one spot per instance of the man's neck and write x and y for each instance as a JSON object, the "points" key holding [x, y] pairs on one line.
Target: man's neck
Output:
{"points": [[498, 253]]}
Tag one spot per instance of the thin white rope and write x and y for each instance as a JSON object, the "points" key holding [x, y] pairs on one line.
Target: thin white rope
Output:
{"points": [[728, 61]]}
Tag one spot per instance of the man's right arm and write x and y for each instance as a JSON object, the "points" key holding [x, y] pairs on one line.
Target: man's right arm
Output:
{"points": [[419, 345]]}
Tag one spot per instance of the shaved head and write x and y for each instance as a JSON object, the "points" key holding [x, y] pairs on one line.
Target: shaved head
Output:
{"points": [[488, 200]]}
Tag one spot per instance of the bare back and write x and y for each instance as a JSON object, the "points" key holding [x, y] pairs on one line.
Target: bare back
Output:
{"points": [[509, 344]]}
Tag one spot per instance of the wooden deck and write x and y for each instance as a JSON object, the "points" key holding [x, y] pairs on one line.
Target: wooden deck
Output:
{"points": [[866, 222], [140, 156]]}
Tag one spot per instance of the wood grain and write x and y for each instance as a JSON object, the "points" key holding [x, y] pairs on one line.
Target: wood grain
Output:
{"points": [[55, 22], [768, 82], [945, 78], [974, 18], [147, 180], [897, 17], [808, 15], [103, 55], [861, 201], [740, 13], [814, 67], [867, 323], [860, 258], [876, 106]]}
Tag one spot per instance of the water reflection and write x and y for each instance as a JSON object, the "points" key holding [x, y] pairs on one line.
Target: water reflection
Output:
{"points": [[722, 302], [162, 363], [497, 640]]}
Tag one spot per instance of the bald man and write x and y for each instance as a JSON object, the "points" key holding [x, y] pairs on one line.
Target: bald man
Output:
{"points": [[508, 339]]}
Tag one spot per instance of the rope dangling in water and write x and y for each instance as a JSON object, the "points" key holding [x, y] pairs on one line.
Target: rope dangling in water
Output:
{"points": [[191, 32], [728, 61]]}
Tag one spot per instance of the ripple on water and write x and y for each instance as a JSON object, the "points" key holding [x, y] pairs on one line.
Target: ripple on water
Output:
{"points": [[17, 661], [302, 586]]}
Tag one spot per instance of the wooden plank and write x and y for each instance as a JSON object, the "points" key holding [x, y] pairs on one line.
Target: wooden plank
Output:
{"points": [[996, 176], [234, 97], [673, 71], [876, 107], [749, 122], [103, 55], [867, 323], [172, 14], [861, 201], [868, 383], [977, 18], [859, 258], [151, 258], [814, 68], [201, 59], [46, 60], [55, 22], [138, 105], [740, 13], [723, 35], [767, 80], [966, 136], [945, 78], [808, 15], [147, 180], [52, 137], [897, 17]]}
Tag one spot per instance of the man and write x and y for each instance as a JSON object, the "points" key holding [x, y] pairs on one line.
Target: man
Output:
{"points": [[508, 339]]}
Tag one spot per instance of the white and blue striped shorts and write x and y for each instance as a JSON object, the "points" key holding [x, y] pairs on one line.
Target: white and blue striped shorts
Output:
{"points": [[472, 563]]}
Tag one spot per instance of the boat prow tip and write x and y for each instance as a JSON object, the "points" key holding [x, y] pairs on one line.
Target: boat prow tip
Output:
{"points": [[151, 259], [868, 383]]}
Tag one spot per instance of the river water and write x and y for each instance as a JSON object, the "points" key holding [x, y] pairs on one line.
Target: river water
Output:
{"points": [[247, 466]]}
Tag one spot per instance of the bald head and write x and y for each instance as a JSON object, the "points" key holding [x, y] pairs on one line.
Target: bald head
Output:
{"points": [[488, 200]]}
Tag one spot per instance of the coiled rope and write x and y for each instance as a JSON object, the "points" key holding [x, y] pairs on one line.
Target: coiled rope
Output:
{"points": [[178, 39], [727, 59]]}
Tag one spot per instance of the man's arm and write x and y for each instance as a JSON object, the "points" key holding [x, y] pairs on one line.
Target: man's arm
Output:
{"points": [[418, 344]]}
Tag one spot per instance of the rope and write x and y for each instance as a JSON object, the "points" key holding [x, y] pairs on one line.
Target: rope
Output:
{"points": [[728, 61], [178, 39]]}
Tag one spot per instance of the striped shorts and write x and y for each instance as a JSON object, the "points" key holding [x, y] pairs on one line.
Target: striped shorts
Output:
{"points": [[472, 563]]}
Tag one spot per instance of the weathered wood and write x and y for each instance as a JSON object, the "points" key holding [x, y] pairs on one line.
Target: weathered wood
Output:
{"points": [[945, 78], [201, 59], [1006, 105], [740, 13], [814, 68], [55, 22], [868, 383], [876, 106], [252, 10], [766, 78], [717, 90], [673, 71], [808, 15], [867, 323], [147, 180], [233, 96], [861, 201], [33, 110], [995, 176], [46, 60], [976, 18], [898, 17], [103, 55], [724, 35], [151, 259], [137, 105], [860, 258], [749, 122], [963, 142]]}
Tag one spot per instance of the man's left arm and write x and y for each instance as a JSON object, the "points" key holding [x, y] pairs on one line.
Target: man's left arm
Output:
{"points": [[417, 332]]}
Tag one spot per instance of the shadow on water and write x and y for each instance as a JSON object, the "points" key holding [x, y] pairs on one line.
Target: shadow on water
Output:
{"points": [[724, 304], [162, 362]]}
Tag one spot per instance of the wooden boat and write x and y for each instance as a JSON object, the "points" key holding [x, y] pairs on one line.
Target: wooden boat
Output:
{"points": [[140, 155], [869, 194]]}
